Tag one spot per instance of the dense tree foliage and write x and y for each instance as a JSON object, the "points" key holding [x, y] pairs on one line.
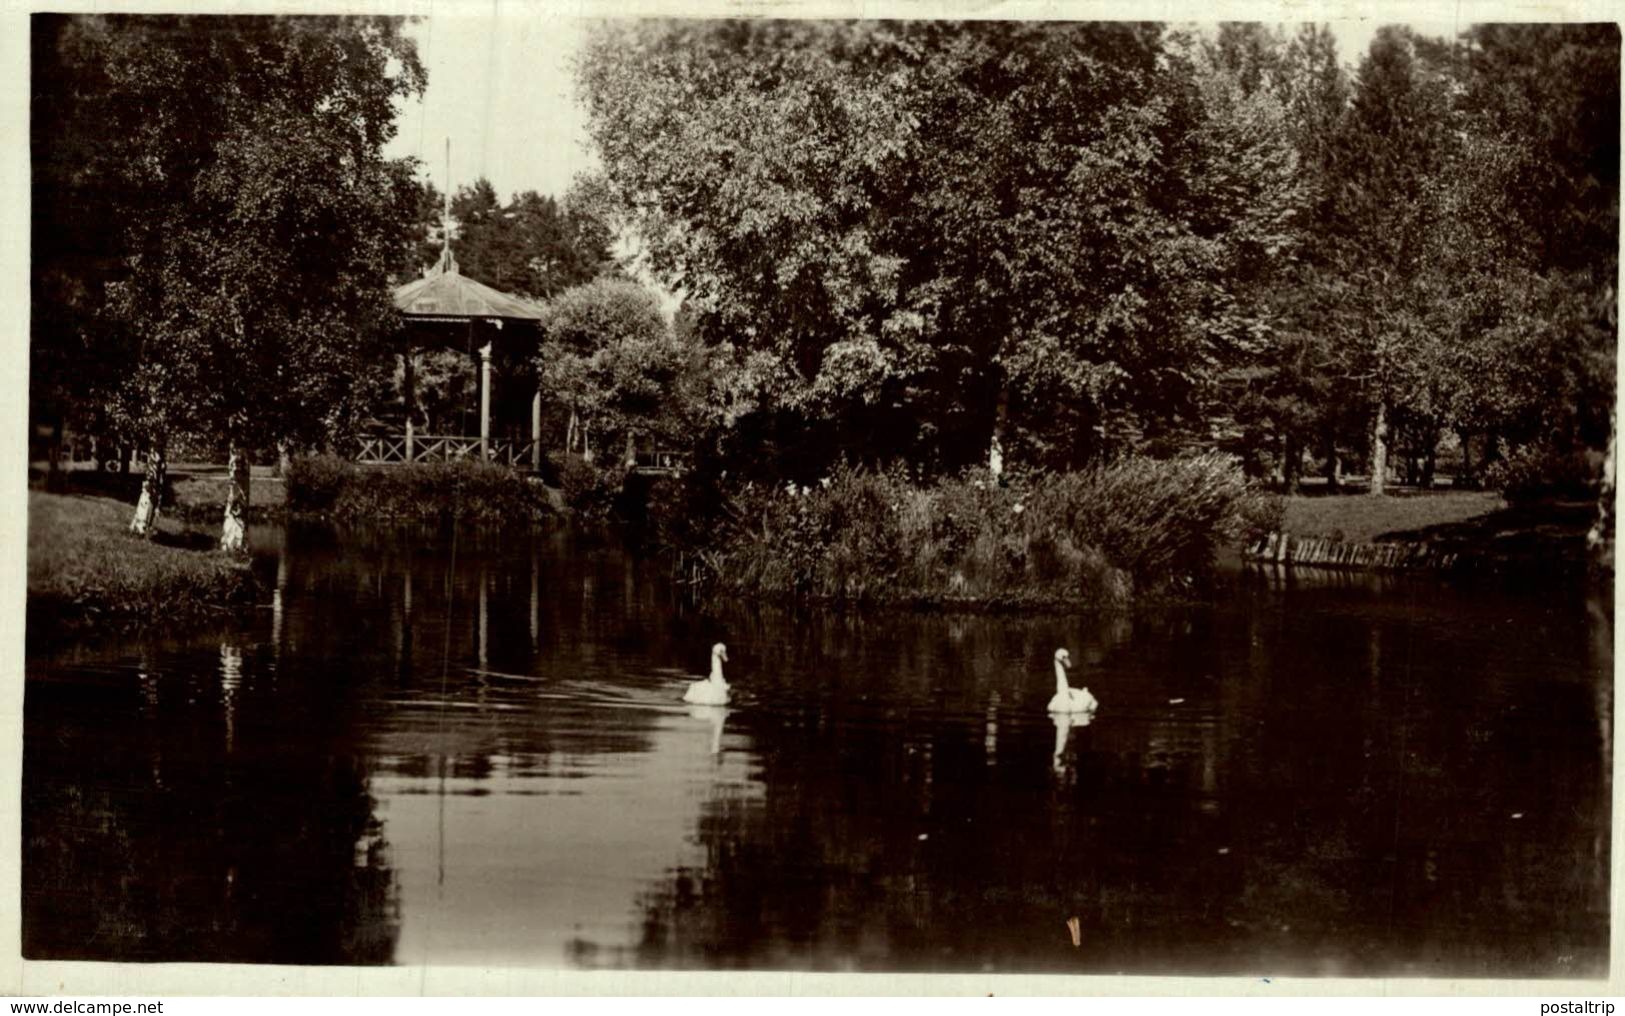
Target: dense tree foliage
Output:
{"points": [[534, 245], [613, 359], [1430, 298], [1065, 241], [246, 220], [932, 228]]}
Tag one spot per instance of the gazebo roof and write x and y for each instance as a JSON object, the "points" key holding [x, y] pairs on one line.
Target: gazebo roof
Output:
{"points": [[445, 294]]}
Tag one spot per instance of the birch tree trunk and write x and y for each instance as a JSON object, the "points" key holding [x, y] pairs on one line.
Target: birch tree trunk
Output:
{"points": [[53, 475], [1001, 419], [586, 442], [145, 521], [1334, 465], [1379, 449], [1600, 539], [631, 451], [1466, 478], [233, 528]]}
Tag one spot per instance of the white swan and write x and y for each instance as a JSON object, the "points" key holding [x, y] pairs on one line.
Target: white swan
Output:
{"points": [[1068, 699], [713, 691]]}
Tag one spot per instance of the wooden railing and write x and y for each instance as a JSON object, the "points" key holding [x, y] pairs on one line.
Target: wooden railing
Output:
{"points": [[513, 453], [391, 450], [660, 463]]}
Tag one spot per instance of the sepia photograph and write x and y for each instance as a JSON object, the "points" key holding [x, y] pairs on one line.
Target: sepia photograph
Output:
{"points": [[514, 489]]}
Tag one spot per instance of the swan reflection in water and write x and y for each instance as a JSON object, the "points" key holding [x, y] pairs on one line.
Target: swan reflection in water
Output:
{"points": [[1064, 722], [716, 716]]}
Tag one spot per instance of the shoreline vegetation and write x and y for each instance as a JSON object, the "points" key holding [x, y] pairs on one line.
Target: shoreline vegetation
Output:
{"points": [[334, 489], [86, 570], [1131, 533], [1107, 537]]}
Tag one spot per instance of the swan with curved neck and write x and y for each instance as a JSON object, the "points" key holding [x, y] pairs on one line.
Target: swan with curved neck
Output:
{"points": [[713, 691], [1067, 698]]}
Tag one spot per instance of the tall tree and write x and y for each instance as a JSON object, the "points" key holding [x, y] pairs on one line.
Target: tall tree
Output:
{"points": [[611, 355], [1288, 398], [1262, 174], [534, 245], [1397, 137], [427, 231], [947, 236], [256, 219], [1551, 93], [72, 362]]}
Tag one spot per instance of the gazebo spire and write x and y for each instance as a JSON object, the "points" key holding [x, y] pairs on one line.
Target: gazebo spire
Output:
{"points": [[447, 265]]}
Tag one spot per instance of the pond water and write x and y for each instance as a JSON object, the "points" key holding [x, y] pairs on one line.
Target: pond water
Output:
{"points": [[431, 750]]}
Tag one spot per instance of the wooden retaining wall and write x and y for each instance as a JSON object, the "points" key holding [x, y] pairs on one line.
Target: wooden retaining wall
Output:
{"points": [[1281, 548]]}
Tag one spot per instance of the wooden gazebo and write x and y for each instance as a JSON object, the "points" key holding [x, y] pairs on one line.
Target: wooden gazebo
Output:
{"points": [[446, 308]]}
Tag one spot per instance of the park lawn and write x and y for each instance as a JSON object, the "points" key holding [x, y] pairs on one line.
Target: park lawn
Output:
{"points": [[199, 491], [1360, 518], [1481, 530], [84, 567]]}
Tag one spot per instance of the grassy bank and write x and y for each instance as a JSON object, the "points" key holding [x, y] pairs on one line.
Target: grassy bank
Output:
{"points": [[199, 493], [1479, 530], [84, 568], [194, 492], [1063, 541], [329, 487], [1357, 518]]}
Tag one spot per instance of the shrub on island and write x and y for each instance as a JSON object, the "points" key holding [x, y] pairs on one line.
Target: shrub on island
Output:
{"points": [[1095, 537]]}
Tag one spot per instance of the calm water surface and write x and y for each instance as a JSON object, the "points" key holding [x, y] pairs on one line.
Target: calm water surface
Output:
{"points": [[477, 754]]}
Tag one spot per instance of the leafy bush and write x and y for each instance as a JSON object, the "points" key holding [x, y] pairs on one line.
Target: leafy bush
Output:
{"points": [[468, 491], [314, 482], [588, 491], [1542, 469], [677, 512], [1156, 518], [1088, 537]]}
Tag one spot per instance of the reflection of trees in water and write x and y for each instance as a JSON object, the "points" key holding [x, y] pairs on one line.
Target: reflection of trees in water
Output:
{"points": [[938, 838], [1340, 798], [1433, 811], [201, 814], [469, 649], [1334, 794], [913, 853]]}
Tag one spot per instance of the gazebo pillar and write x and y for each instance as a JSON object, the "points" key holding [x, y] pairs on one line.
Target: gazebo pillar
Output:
{"points": [[536, 431], [410, 396], [485, 402]]}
